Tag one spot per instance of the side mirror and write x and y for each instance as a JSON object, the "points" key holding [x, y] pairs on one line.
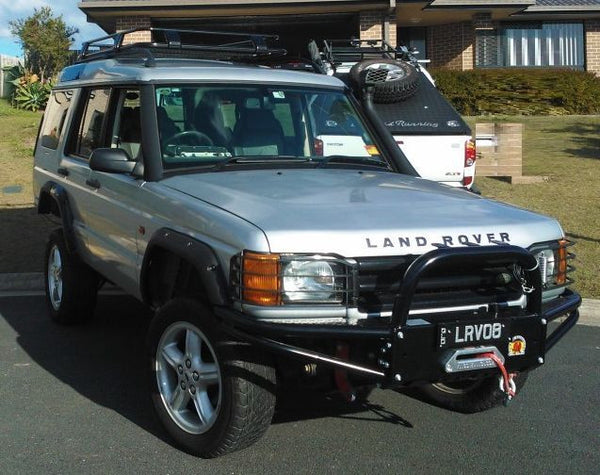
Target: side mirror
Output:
{"points": [[111, 160]]}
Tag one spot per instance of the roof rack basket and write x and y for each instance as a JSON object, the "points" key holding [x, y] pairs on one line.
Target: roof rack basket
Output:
{"points": [[201, 44], [354, 50]]}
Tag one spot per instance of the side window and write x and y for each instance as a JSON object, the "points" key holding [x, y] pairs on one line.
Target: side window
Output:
{"points": [[91, 129], [170, 111], [126, 132], [54, 118]]}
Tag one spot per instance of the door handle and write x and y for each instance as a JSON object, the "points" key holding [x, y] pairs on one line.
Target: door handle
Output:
{"points": [[93, 183], [63, 171]]}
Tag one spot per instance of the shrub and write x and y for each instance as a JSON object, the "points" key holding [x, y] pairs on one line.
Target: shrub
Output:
{"points": [[30, 93], [10, 74], [521, 91]]}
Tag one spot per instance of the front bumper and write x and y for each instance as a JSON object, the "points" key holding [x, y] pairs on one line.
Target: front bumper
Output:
{"points": [[409, 350]]}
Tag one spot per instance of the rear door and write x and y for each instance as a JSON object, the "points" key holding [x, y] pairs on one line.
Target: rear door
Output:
{"points": [[86, 133]]}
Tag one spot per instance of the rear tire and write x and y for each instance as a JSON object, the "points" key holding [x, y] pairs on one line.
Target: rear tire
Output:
{"points": [[213, 395], [470, 395], [71, 285]]}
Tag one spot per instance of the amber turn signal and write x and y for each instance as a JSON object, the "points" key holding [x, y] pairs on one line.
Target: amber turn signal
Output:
{"points": [[261, 278], [561, 257]]}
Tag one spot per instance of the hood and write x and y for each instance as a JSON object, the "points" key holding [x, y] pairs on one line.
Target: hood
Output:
{"points": [[362, 213]]}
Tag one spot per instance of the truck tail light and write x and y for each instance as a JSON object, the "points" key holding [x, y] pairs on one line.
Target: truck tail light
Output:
{"points": [[470, 158], [318, 146], [470, 153]]}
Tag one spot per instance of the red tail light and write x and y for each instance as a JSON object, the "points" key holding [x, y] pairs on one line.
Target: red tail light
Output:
{"points": [[470, 157], [470, 153], [318, 145]]}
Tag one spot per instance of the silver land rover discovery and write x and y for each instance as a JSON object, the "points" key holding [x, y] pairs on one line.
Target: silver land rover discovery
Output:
{"points": [[193, 174]]}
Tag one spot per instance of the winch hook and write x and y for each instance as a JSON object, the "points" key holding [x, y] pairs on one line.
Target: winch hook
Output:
{"points": [[506, 381]]}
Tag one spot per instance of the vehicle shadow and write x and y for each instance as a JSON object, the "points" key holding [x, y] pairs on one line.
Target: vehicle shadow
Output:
{"points": [[104, 360], [23, 235], [580, 237], [294, 405]]}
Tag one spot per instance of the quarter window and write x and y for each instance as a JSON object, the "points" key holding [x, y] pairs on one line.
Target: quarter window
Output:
{"points": [[54, 118]]}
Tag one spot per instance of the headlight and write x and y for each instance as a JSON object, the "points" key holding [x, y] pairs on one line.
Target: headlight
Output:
{"points": [[553, 260], [309, 281], [280, 279]]}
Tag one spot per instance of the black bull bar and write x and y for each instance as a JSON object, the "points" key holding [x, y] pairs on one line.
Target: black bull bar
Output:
{"points": [[409, 353]]}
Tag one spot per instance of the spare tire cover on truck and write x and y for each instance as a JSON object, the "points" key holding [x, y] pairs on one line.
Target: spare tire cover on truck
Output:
{"points": [[392, 80]]}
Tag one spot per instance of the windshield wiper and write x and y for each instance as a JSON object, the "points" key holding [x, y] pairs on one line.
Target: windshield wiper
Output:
{"points": [[321, 162], [324, 161], [260, 159]]}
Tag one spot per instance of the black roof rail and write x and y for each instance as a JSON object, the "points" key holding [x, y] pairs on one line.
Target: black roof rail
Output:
{"points": [[164, 42]]}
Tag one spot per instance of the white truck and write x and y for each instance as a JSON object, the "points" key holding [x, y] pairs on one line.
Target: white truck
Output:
{"points": [[429, 131]]}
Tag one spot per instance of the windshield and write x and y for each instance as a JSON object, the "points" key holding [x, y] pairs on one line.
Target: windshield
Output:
{"points": [[213, 125]]}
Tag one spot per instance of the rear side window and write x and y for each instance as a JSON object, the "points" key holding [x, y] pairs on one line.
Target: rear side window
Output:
{"points": [[54, 118], [91, 131]]}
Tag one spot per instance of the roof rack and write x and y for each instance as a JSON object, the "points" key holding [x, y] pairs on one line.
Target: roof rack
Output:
{"points": [[200, 44], [354, 50]]}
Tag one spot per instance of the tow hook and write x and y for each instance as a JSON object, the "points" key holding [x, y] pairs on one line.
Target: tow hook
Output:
{"points": [[476, 358], [506, 380]]}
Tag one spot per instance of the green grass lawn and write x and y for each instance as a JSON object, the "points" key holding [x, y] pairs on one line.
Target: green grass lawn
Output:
{"points": [[566, 149], [17, 138]]}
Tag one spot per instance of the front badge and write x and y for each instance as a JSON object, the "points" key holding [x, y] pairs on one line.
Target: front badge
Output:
{"points": [[516, 346]]}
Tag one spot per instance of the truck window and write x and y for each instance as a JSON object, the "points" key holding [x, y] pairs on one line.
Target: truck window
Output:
{"points": [[54, 118]]}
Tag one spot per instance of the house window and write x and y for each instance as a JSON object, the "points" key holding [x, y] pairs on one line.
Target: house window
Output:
{"points": [[531, 45]]}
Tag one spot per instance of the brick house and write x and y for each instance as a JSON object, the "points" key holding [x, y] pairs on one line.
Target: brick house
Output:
{"points": [[453, 34]]}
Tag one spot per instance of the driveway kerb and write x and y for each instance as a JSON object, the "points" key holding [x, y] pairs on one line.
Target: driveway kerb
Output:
{"points": [[589, 312], [22, 281]]}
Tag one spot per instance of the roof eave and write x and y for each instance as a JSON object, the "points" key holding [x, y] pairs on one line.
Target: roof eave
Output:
{"points": [[580, 9], [478, 4]]}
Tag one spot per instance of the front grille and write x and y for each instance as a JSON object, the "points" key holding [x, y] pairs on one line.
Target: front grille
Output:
{"points": [[379, 281]]}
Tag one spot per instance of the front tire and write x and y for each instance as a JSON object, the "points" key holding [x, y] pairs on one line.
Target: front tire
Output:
{"points": [[470, 395], [212, 395], [71, 285]]}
